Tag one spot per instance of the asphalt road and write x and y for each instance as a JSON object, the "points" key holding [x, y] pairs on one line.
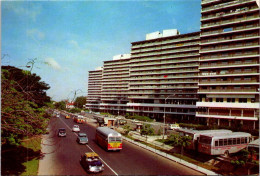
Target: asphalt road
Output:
{"points": [[63, 154]]}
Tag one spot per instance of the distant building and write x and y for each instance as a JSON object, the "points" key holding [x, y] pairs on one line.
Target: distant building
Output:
{"points": [[94, 89], [70, 105]]}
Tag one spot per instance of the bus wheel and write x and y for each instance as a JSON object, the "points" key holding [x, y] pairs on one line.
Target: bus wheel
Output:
{"points": [[226, 153]]}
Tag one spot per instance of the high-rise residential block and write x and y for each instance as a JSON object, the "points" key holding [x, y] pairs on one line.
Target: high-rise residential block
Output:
{"points": [[229, 63]]}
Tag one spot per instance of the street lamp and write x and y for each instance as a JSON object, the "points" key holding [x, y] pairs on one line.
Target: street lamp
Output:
{"points": [[164, 114]]}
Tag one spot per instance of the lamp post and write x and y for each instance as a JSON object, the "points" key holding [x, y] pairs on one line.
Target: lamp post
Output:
{"points": [[164, 114]]}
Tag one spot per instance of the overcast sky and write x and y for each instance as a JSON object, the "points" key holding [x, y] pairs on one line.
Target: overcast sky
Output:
{"points": [[66, 39]]}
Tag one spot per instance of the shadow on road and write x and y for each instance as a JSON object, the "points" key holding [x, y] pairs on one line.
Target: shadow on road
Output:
{"points": [[13, 157]]}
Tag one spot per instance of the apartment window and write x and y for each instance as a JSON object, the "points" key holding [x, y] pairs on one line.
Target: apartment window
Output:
{"points": [[219, 99], [231, 100], [227, 29], [242, 100]]}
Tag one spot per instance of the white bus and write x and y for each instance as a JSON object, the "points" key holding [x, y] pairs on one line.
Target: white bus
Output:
{"points": [[108, 139], [195, 135], [219, 144]]}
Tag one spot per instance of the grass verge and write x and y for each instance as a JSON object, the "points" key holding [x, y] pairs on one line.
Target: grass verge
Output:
{"points": [[32, 164]]}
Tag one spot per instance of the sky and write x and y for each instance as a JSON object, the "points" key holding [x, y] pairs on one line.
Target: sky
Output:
{"points": [[67, 39]]}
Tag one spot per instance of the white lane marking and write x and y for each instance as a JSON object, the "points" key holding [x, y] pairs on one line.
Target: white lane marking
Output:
{"points": [[92, 150]]}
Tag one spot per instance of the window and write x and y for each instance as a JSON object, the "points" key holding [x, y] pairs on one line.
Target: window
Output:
{"points": [[238, 141], [227, 29], [230, 141], [242, 140], [221, 142], [242, 100], [225, 141], [216, 143], [234, 140]]}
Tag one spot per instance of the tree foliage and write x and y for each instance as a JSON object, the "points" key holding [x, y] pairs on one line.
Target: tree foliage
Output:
{"points": [[80, 101], [60, 105], [147, 130], [22, 112], [177, 140]]}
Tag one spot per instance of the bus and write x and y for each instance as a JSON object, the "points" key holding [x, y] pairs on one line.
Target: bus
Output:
{"points": [[195, 135], [219, 144], [108, 139], [79, 119]]}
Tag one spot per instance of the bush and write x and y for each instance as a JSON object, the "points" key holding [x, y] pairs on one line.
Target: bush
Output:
{"points": [[141, 118], [74, 110]]}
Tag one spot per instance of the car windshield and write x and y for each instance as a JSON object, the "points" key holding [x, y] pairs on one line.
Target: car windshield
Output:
{"points": [[82, 135], [62, 130], [95, 163], [76, 126]]}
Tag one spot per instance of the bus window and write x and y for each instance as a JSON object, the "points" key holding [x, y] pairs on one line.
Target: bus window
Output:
{"points": [[112, 139], [216, 143], [118, 139], [221, 142], [238, 141], [234, 140], [225, 141], [242, 140], [246, 140], [230, 141]]}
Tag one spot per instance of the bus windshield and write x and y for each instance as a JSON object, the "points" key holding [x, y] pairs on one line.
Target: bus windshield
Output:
{"points": [[114, 139], [205, 140]]}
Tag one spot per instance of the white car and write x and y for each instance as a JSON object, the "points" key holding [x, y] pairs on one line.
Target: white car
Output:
{"points": [[75, 128]]}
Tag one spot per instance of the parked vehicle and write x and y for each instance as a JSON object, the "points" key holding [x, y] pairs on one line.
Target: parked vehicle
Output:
{"points": [[195, 135], [122, 121], [219, 144], [91, 163], [174, 126], [82, 138], [67, 117], [108, 139], [62, 132], [75, 128]]}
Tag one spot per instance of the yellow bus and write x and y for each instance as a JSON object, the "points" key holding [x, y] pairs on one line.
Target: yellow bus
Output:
{"points": [[108, 139]]}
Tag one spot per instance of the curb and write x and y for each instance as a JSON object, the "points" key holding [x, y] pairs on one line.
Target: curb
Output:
{"points": [[177, 160]]}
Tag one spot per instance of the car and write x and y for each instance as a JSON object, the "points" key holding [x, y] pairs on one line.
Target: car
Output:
{"points": [[75, 128], [62, 132], [67, 117], [174, 126], [91, 163], [82, 138]]}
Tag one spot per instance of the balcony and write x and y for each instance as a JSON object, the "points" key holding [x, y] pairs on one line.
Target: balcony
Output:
{"points": [[228, 14], [225, 5], [228, 91], [225, 116], [217, 57]]}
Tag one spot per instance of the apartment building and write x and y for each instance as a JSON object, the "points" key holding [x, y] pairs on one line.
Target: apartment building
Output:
{"points": [[114, 94], [229, 63], [164, 76], [94, 89]]}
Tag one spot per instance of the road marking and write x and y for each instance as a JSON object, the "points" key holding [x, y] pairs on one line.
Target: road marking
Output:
{"points": [[92, 150]]}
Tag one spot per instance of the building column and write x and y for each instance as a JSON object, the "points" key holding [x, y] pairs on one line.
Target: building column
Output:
{"points": [[218, 122], [207, 121], [254, 126], [229, 123]]}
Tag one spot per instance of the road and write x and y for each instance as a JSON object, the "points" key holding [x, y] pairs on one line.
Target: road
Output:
{"points": [[63, 154]]}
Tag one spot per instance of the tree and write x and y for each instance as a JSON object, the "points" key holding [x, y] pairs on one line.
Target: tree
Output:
{"points": [[147, 130], [177, 140], [29, 84], [60, 105], [22, 112], [80, 101]]}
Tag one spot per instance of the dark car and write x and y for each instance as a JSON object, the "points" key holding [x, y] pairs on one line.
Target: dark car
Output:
{"points": [[91, 163], [62, 132], [82, 138]]}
